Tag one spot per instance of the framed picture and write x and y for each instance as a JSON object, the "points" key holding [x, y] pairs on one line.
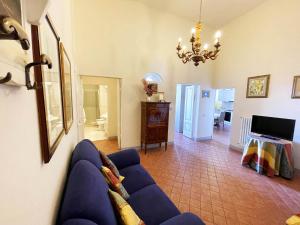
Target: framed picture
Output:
{"points": [[11, 8], [258, 87], [66, 79], [45, 40], [205, 94], [296, 87]]}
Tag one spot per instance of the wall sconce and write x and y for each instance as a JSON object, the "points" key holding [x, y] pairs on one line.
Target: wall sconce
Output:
{"points": [[36, 10], [45, 60], [6, 79], [10, 29]]}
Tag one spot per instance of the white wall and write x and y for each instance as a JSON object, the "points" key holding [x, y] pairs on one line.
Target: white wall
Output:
{"points": [[128, 39], [264, 41], [30, 190]]}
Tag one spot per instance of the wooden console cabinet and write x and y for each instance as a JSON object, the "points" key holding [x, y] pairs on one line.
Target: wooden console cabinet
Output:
{"points": [[155, 123]]}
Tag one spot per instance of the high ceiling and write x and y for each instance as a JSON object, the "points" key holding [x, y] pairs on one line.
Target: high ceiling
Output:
{"points": [[216, 13]]}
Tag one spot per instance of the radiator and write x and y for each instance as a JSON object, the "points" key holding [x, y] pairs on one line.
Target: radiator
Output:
{"points": [[245, 130]]}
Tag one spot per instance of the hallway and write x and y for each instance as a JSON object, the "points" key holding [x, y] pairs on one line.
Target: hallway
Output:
{"points": [[222, 134]]}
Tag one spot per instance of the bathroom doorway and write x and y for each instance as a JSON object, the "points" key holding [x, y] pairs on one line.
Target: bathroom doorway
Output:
{"points": [[101, 111]]}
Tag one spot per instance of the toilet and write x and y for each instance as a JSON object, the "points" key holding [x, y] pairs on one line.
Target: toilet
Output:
{"points": [[102, 122]]}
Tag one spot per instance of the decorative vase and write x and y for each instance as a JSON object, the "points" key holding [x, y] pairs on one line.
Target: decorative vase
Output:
{"points": [[148, 99]]}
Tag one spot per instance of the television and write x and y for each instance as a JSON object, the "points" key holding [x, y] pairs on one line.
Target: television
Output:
{"points": [[274, 128]]}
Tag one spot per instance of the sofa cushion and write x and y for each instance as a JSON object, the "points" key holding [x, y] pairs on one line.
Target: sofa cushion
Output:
{"points": [[125, 158], [86, 150], [86, 196], [152, 205], [79, 222], [184, 219], [136, 178]]}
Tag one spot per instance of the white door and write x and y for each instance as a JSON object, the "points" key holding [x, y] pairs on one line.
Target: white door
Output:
{"points": [[188, 112]]}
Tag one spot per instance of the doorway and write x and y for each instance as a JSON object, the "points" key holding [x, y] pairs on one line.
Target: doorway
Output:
{"points": [[101, 111], [194, 112], [223, 114]]}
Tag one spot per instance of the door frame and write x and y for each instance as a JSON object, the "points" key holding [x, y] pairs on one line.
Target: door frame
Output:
{"points": [[80, 124], [196, 85]]}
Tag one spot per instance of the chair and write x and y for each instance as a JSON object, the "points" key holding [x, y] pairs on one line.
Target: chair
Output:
{"points": [[220, 120]]}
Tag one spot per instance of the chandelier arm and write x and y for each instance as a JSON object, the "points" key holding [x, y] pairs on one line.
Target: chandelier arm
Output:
{"points": [[193, 46], [180, 55]]}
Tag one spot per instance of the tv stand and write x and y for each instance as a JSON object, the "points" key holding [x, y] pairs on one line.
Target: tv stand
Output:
{"points": [[267, 156], [270, 137]]}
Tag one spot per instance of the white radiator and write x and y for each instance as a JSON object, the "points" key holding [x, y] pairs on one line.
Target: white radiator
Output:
{"points": [[245, 130]]}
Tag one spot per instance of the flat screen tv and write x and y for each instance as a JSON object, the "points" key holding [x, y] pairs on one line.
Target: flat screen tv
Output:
{"points": [[271, 127]]}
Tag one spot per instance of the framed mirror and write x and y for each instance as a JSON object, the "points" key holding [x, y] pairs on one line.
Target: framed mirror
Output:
{"points": [[45, 40]]}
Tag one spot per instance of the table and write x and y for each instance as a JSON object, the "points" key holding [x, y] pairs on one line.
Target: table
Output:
{"points": [[270, 157]]}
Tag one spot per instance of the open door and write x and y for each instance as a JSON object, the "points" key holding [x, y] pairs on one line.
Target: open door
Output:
{"points": [[188, 112]]}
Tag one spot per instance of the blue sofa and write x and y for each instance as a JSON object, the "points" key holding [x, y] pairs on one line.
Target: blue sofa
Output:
{"points": [[86, 201]]}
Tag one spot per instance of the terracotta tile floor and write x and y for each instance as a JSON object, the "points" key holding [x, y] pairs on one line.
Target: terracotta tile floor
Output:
{"points": [[207, 179], [222, 134], [107, 146]]}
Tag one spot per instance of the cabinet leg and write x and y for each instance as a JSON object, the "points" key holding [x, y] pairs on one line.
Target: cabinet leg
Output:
{"points": [[145, 149], [160, 144], [166, 145]]}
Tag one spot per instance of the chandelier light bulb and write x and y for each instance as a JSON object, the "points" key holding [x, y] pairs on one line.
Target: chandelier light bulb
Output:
{"points": [[184, 48], [179, 40], [193, 30], [218, 34], [205, 46]]}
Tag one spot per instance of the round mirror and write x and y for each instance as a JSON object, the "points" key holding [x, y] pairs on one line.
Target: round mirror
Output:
{"points": [[153, 78]]}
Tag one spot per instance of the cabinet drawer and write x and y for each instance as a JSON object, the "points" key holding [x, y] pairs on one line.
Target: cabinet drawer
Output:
{"points": [[157, 134]]}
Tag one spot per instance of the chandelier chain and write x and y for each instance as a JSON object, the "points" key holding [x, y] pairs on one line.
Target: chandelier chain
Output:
{"points": [[200, 16]]}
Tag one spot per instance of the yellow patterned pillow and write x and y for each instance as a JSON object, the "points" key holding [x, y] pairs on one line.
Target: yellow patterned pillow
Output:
{"points": [[109, 164], [294, 220], [114, 182], [126, 213]]}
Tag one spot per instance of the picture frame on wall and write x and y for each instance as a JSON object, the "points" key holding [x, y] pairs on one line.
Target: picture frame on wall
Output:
{"points": [[258, 86], [296, 87], [66, 79], [45, 40]]}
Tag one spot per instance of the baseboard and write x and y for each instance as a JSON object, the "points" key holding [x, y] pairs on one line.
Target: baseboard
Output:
{"points": [[113, 138], [236, 148], [208, 138]]}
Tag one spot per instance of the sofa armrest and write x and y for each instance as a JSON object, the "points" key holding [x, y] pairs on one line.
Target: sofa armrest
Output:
{"points": [[184, 219], [125, 158]]}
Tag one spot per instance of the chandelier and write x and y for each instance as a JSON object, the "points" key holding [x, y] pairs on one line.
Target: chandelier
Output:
{"points": [[197, 54]]}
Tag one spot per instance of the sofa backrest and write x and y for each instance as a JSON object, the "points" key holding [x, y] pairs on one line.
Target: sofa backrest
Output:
{"points": [[86, 150], [86, 196]]}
